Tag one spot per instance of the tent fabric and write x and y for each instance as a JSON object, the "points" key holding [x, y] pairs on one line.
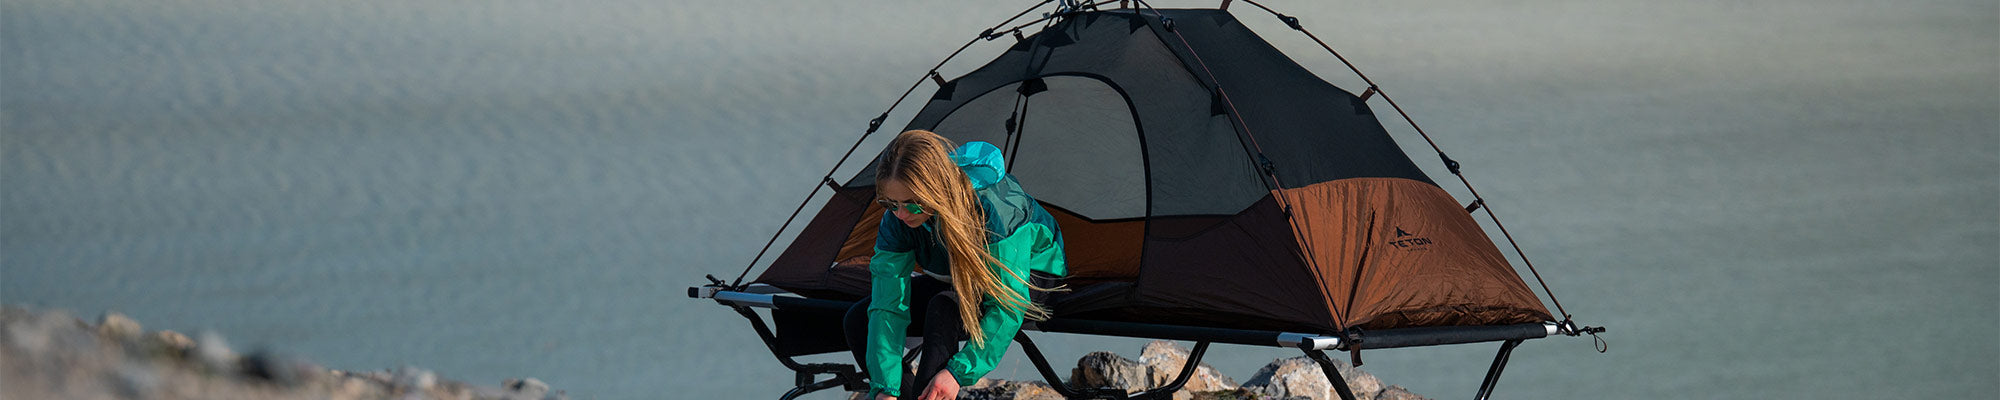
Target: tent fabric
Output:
{"points": [[1397, 252], [815, 265], [1101, 250], [1120, 128]]}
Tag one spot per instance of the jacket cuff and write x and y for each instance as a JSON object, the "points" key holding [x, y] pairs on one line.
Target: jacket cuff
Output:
{"points": [[958, 373]]}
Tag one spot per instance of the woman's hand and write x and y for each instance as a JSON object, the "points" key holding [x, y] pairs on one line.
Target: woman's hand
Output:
{"points": [[884, 396], [943, 387]]}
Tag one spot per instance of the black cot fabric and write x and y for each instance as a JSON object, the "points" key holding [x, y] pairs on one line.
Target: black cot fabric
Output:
{"points": [[1153, 148]]}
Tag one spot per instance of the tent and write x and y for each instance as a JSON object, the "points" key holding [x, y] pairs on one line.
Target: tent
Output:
{"points": [[1202, 177]]}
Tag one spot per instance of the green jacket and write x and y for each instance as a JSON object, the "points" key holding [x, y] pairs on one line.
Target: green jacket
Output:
{"points": [[1023, 236]]}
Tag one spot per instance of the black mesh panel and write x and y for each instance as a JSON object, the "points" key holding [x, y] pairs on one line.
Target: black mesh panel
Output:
{"points": [[1079, 150]]}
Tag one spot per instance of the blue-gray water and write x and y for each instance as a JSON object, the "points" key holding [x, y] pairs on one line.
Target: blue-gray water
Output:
{"points": [[1790, 199]]}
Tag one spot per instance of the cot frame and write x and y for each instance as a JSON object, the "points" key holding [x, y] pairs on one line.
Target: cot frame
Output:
{"points": [[1314, 345]]}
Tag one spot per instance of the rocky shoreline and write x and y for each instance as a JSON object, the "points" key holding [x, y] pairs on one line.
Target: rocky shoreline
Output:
{"points": [[51, 355]]}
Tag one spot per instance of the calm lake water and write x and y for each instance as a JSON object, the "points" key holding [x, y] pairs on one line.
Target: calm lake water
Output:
{"points": [[1791, 199]]}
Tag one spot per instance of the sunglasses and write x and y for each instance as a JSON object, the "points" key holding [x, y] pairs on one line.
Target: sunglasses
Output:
{"points": [[909, 207]]}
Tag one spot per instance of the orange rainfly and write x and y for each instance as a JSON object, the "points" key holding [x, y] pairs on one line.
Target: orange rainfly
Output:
{"points": [[1394, 252]]}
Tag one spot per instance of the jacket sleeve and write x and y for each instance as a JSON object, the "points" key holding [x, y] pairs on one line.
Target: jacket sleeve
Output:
{"points": [[888, 314], [1032, 247]]}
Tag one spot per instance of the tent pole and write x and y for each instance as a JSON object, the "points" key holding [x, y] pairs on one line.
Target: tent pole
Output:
{"points": [[1332, 373], [1493, 373]]}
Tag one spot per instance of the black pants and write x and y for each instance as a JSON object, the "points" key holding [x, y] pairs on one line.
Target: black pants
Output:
{"points": [[933, 316]]}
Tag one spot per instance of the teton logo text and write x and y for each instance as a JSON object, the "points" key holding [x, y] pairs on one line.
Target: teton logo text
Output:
{"points": [[1409, 241]]}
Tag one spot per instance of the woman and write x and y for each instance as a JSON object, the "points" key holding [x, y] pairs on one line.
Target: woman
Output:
{"points": [[985, 250]]}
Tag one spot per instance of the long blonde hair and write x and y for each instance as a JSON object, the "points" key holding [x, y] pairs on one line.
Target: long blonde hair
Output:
{"points": [[922, 162]]}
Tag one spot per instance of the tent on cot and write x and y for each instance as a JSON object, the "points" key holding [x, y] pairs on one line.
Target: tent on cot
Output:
{"points": [[1209, 189]]}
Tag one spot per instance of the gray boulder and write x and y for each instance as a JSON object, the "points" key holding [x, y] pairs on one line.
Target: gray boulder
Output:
{"points": [[1398, 393], [50, 355], [118, 326], [1159, 363], [1164, 359], [413, 378], [1301, 378], [1105, 369], [214, 353]]}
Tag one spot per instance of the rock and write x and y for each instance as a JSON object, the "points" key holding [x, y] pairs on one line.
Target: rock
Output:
{"points": [[1233, 394], [1159, 363], [40, 334], [489, 392], [1107, 370], [351, 386], [1398, 393], [1361, 382], [214, 354], [1291, 377], [25, 336], [994, 389], [529, 388], [414, 378], [279, 369], [134, 381], [171, 342], [1302, 378], [118, 326], [50, 355], [1164, 360]]}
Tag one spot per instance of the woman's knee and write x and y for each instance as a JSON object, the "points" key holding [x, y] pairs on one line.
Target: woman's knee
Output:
{"points": [[943, 306]]}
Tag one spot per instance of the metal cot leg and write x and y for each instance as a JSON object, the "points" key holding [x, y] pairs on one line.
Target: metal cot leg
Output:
{"points": [[1493, 373], [844, 375], [1332, 373]]}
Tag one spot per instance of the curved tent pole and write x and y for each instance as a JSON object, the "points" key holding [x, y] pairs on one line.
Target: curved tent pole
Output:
{"points": [[873, 124], [1569, 327], [1263, 163], [1062, 11]]}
